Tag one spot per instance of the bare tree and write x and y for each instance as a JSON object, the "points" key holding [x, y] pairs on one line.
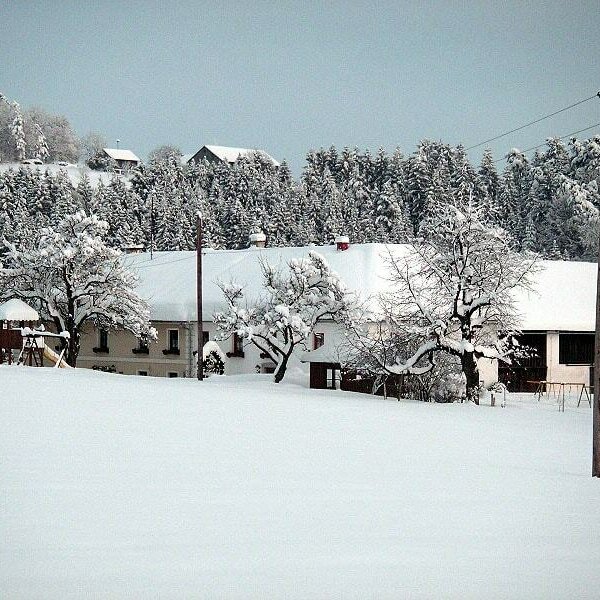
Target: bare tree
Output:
{"points": [[453, 294], [164, 153], [92, 144]]}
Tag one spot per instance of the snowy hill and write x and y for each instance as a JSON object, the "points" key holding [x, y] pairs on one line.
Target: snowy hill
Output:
{"points": [[74, 172], [128, 487]]}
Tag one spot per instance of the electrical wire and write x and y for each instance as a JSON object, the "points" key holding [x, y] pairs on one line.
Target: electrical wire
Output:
{"points": [[596, 95], [156, 263], [544, 143], [145, 264]]}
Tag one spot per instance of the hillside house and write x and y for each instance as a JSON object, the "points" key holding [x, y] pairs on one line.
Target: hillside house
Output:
{"points": [[226, 155], [557, 319], [124, 159]]}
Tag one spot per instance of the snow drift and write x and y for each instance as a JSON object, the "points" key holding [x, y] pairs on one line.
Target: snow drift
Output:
{"points": [[131, 487]]}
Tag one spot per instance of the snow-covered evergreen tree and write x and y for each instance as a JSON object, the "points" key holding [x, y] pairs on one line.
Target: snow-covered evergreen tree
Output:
{"points": [[515, 199], [18, 132]]}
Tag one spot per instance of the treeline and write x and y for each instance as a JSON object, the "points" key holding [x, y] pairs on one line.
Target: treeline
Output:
{"points": [[35, 133], [548, 203]]}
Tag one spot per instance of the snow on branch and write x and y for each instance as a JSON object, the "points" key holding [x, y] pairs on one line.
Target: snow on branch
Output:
{"points": [[294, 300]]}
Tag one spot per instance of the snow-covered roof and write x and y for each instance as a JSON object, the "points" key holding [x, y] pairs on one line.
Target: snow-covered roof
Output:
{"points": [[232, 154], [17, 310], [120, 154], [564, 298], [168, 281], [328, 353]]}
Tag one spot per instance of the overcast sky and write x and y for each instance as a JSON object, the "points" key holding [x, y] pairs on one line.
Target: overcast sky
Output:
{"points": [[292, 76]]}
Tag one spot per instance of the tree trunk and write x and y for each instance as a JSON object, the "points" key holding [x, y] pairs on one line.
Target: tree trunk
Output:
{"points": [[471, 371], [281, 367], [73, 346]]}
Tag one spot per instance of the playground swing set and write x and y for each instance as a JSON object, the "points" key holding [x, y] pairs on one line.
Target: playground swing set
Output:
{"points": [[558, 388], [18, 336]]}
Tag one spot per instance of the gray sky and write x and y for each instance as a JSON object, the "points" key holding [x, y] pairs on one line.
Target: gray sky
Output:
{"points": [[291, 76]]}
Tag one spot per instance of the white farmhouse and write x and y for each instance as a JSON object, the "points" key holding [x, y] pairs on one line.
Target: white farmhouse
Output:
{"points": [[227, 155], [558, 318]]}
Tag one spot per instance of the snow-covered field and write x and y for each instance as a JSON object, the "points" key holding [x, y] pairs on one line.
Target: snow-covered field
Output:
{"points": [[130, 487]]}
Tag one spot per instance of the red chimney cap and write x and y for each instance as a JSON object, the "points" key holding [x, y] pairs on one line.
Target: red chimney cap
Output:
{"points": [[342, 242]]}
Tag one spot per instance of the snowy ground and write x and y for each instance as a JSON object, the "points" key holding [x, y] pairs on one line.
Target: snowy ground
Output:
{"points": [[130, 487], [74, 172]]}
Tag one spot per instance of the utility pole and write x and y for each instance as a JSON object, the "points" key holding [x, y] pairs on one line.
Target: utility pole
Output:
{"points": [[151, 224], [199, 296], [596, 384]]}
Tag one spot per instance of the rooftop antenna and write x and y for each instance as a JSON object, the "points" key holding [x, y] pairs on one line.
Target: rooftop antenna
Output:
{"points": [[118, 142]]}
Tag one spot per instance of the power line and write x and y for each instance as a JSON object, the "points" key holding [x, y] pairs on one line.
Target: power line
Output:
{"points": [[146, 264], [597, 95], [560, 138], [155, 263]]}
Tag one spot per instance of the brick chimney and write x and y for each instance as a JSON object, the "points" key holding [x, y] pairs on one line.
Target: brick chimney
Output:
{"points": [[342, 242], [258, 240]]}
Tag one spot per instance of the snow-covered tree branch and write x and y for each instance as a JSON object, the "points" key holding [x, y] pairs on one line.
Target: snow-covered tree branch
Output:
{"points": [[452, 293], [74, 277], [294, 301]]}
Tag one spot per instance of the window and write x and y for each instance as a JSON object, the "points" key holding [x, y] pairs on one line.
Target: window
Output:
{"points": [[173, 339], [102, 346], [172, 342], [103, 339], [238, 346], [143, 342], [143, 373], [142, 347], [535, 344], [576, 348], [205, 338], [172, 374], [333, 379], [318, 340]]}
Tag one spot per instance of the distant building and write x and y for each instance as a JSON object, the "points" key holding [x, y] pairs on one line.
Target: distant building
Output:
{"points": [[226, 155], [125, 159]]}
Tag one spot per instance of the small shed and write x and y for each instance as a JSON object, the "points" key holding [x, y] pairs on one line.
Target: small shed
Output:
{"points": [[125, 159], [14, 313]]}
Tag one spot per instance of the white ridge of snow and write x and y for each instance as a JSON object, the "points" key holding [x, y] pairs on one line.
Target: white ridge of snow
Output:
{"points": [[232, 154], [75, 173], [168, 281]]}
